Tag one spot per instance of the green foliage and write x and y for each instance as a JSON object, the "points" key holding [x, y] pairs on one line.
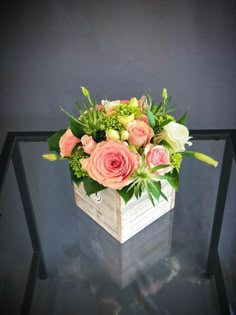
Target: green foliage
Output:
{"points": [[53, 141], [76, 128], [151, 118], [126, 110], [126, 193], [176, 160], [172, 178], [91, 186], [162, 120], [145, 179], [182, 120], [112, 122], [201, 157], [75, 164]]}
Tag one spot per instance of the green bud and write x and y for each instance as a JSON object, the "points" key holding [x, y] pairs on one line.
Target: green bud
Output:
{"points": [[205, 158], [133, 148], [164, 94], [133, 102], [50, 157], [85, 92], [124, 120], [124, 135], [113, 134]]}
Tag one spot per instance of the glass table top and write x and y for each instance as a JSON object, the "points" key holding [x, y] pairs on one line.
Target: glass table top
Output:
{"points": [[158, 271]]}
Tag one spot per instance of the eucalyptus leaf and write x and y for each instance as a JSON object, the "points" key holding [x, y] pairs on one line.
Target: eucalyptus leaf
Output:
{"points": [[151, 118]]}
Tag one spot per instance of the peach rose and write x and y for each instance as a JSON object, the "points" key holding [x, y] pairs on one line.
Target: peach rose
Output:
{"points": [[111, 164], [67, 143], [143, 118], [157, 155], [88, 144], [140, 133]]}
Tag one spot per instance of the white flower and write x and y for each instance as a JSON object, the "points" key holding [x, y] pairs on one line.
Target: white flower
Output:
{"points": [[176, 135], [109, 105]]}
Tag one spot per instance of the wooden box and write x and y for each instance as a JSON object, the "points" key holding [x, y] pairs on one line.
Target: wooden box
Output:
{"points": [[123, 263], [122, 220]]}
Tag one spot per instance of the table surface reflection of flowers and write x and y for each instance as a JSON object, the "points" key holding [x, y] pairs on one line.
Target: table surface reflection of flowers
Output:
{"points": [[130, 146]]}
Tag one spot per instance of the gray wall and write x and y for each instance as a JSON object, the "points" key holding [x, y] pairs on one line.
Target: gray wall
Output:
{"points": [[116, 49]]}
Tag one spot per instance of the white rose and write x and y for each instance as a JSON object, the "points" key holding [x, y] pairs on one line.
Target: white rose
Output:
{"points": [[176, 135]]}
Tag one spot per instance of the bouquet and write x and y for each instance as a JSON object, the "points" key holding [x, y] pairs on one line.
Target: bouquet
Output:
{"points": [[130, 146]]}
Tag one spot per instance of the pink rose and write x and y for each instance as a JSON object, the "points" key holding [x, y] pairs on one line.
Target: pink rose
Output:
{"points": [[157, 155], [111, 164], [88, 144], [143, 118], [67, 143], [140, 133]]}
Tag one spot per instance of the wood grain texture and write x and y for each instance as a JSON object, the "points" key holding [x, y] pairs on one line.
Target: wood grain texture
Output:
{"points": [[122, 220]]}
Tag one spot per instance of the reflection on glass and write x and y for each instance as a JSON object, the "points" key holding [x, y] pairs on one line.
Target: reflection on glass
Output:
{"points": [[123, 277], [123, 262]]}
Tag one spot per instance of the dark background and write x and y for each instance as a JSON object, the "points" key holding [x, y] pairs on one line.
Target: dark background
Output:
{"points": [[117, 49]]}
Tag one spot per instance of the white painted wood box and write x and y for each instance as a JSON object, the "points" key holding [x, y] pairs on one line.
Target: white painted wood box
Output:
{"points": [[122, 220]]}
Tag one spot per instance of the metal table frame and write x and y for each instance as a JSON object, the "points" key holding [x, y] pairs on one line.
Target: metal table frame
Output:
{"points": [[11, 151]]}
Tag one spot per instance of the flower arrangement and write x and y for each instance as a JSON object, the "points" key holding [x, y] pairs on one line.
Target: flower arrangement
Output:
{"points": [[126, 145]]}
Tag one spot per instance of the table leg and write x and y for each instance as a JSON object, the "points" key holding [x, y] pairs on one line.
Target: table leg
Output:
{"points": [[28, 208]]}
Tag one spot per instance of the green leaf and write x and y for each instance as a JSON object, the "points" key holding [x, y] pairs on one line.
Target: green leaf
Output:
{"points": [[126, 193], [165, 122], [182, 120], [69, 115], [158, 167], [150, 197], [91, 186], [163, 195], [53, 141], [187, 153], [151, 118], [74, 178], [166, 144], [154, 190], [173, 179], [159, 107], [76, 128]]}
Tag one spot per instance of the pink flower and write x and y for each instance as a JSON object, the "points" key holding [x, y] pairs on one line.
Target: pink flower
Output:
{"points": [[67, 143], [142, 102], [157, 155], [88, 144], [124, 101], [99, 107], [143, 118], [111, 164], [140, 133]]}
